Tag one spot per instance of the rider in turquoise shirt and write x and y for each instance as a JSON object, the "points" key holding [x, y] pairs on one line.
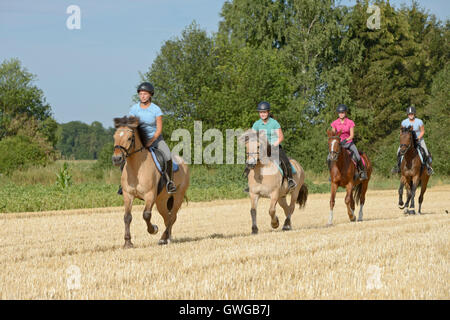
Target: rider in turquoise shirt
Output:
{"points": [[274, 136]]}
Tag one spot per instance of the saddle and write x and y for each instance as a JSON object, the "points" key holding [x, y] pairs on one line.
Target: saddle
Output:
{"points": [[353, 157], [161, 164]]}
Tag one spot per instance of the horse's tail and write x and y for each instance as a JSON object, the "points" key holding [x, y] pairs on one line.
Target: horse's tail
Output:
{"points": [[302, 196], [357, 193], [186, 198]]}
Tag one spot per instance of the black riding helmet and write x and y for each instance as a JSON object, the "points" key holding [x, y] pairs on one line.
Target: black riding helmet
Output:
{"points": [[341, 108], [146, 86], [263, 106], [411, 109]]}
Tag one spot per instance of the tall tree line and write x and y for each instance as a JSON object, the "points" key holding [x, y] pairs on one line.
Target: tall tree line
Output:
{"points": [[305, 57]]}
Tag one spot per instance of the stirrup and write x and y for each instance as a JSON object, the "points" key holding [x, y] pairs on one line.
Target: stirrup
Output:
{"points": [[396, 169], [293, 185], [362, 175], [171, 187]]}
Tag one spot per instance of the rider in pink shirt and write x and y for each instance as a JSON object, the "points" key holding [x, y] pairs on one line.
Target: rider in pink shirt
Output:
{"points": [[346, 126]]}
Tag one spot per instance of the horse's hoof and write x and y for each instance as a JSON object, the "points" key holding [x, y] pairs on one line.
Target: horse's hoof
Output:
{"points": [[128, 245], [401, 206], [276, 224], [412, 212], [254, 230], [353, 219], [360, 219], [163, 241], [287, 228], [155, 229], [329, 224]]}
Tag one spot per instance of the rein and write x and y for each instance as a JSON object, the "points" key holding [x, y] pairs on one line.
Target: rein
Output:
{"points": [[127, 151]]}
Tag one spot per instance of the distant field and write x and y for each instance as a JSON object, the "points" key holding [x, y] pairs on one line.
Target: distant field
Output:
{"points": [[214, 256], [35, 189]]}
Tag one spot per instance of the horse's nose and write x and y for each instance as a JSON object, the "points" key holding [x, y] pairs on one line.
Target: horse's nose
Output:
{"points": [[116, 160]]}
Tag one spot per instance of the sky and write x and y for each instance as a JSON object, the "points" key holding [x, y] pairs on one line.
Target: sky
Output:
{"points": [[91, 73]]}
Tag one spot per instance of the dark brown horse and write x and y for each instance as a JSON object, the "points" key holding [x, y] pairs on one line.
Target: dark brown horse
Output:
{"points": [[413, 172], [343, 173]]}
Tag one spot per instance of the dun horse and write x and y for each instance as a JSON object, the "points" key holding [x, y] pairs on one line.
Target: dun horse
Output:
{"points": [[265, 180], [413, 173], [140, 179], [343, 173]]}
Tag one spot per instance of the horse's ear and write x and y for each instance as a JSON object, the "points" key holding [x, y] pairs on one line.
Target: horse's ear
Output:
{"points": [[329, 133]]}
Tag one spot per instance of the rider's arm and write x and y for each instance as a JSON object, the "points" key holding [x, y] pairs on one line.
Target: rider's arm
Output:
{"points": [[280, 137], [158, 132], [352, 134], [422, 132]]}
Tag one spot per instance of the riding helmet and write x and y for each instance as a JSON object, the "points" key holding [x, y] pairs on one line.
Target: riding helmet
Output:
{"points": [[263, 106], [341, 108], [411, 109], [146, 86]]}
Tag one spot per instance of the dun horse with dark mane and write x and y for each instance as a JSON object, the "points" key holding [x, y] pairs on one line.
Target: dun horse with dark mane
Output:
{"points": [[343, 173], [413, 173], [140, 179], [265, 180]]}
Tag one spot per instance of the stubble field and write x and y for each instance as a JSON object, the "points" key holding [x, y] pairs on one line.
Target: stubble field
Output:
{"points": [[77, 254]]}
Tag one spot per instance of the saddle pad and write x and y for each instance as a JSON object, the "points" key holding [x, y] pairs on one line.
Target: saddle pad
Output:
{"points": [[420, 156], [281, 170], [158, 164], [353, 159]]}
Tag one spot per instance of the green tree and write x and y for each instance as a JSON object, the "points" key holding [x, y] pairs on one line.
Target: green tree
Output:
{"points": [[20, 97]]}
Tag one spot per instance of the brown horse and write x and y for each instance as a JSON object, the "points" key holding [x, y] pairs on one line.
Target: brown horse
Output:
{"points": [[265, 180], [413, 172], [343, 173], [140, 179]]}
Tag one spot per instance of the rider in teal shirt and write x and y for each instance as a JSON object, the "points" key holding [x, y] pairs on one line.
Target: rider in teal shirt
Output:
{"points": [[274, 136]]}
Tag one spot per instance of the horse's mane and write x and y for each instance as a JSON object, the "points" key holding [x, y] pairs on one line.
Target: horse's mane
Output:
{"points": [[132, 123]]}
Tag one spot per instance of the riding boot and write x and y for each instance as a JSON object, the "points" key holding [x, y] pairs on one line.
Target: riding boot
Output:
{"points": [[291, 182], [170, 186], [362, 171], [397, 168], [120, 190]]}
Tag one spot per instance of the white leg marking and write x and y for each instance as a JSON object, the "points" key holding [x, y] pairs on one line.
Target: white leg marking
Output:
{"points": [[360, 218]]}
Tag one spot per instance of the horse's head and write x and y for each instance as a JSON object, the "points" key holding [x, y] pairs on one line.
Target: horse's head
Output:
{"points": [[334, 145], [406, 139], [256, 146], [124, 138]]}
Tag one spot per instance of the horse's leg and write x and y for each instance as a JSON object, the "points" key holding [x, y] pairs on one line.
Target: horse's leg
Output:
{"points": [[332, 201], [272, 210], [348, 200], [287, 212], [401, 205], [413, 194], [128, 203], [147, 215], [254, 203], [362, 198], [169, 216], [423, 188], [408, 196]]}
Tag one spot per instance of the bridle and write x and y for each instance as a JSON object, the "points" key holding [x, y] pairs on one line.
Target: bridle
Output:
{"points": [[126, 152], [334, 155], [405, 145]]}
